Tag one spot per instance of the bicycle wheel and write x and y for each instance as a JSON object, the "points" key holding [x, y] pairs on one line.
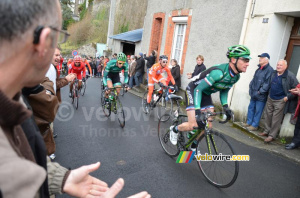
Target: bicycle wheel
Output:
{"points": [[76, 98], [83, 87], [105, 106], [120, 112], [144, 102], [221, 174], [165, 107], [164, 136]]}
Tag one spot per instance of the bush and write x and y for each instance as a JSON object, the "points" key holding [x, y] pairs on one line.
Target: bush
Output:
{"points": [[90, 28]]}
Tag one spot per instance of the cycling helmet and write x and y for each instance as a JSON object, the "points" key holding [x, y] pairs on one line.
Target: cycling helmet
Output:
{"points": [[237, 51], [121, 57], [163, 57], [77, 58]]}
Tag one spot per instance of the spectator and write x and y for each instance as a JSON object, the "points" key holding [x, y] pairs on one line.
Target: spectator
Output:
{"points": [[114, 56], [279, 101], [128, 59], [139, 70], [150, 61], [100, 66], [296, 139], [53, 76], [200, 67], [93, 64], [44, 104], [258, 90], [22, 150], [132, 71], [175, 73]]}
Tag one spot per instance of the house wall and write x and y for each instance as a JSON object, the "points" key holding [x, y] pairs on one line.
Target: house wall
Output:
{"points": [[216, 25], [271, 37]]}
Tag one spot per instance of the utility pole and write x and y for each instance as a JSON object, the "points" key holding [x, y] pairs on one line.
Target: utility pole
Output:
{"points": [[110, 31]]}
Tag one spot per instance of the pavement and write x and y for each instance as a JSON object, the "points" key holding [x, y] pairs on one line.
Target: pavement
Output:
{"points": [[241, 134]]}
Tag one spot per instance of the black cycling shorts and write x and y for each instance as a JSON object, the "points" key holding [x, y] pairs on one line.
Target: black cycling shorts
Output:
{"points": [[206, 101], [114, 77]]}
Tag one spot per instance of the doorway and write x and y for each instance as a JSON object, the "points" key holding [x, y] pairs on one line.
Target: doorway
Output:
{"points": [[293, 50], [128, 48]]}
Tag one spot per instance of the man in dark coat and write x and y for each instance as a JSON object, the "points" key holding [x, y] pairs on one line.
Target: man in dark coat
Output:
{"points": [[258, 91], [280, 101]]}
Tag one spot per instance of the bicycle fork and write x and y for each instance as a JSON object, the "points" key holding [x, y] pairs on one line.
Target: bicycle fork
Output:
{"points": [[210, 139]]}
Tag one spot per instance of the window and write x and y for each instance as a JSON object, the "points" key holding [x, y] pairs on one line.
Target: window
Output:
{"points": [[179, 35]]}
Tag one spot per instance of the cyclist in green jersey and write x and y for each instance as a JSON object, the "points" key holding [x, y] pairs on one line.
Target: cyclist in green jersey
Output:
{"points": [[111, 76], [219, 78]]}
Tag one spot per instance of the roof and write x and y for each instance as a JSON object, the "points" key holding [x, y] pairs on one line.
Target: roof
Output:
{"points": [[132, 36]]}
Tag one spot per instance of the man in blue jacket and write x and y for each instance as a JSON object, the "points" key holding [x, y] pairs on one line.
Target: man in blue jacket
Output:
{"points": [[258, 91]]}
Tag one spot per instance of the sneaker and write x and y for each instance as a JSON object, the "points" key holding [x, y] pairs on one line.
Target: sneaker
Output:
{"points": [[52, 156], [245, 125], [252, 128], [70, 95], [173, 136]]}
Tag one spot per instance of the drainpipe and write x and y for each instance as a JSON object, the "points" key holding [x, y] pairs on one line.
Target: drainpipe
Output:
{"points": [[250, 3]]}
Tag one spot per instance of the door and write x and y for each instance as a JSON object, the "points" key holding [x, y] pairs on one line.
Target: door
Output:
{"points": [[293, 50]]}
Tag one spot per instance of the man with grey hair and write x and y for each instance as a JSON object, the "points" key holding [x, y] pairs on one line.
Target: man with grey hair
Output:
{"points": [[258, 91], [28, 36], [280, 101]]}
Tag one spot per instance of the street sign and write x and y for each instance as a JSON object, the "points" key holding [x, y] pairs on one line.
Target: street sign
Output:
{"points": [[74, 52]]}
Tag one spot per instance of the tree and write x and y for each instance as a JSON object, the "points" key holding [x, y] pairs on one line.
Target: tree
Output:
{"points": [[66, 13]]}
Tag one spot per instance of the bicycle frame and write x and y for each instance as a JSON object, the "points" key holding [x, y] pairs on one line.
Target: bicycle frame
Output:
{"points": [[209, 138], [163, 95]]}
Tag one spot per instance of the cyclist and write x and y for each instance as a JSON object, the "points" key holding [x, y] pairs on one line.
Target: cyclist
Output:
{"points": [[155, 76], [77, 67], [111, 76], [219, 78], [88, 66]]}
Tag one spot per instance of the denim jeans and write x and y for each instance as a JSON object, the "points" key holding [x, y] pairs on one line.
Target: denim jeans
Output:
{"points": [[255, 110], [131, 79], [138, 77], [148, 74]]}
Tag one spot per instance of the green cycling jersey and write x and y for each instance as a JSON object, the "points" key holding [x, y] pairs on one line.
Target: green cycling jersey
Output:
{"points": [[112, 67], [218, 78]]}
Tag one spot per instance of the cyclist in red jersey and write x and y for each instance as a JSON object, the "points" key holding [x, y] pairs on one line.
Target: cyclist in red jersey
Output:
{"points": [[77, 67], [155, 76]]}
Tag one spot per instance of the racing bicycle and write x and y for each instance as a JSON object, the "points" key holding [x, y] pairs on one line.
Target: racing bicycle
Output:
{"points": [[221, 174]]}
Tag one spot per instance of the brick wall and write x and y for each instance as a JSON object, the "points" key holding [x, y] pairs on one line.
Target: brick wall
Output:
{"points": [[156, 32]]}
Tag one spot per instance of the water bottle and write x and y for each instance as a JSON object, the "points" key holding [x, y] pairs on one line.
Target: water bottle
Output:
{"points": [[191, 133]]}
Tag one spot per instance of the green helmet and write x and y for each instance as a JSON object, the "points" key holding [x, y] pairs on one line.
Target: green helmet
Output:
{"points": [[237, 51], [121, 57]]}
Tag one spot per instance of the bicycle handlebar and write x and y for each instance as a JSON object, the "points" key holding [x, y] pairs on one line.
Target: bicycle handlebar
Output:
{"points": [[209, 114]]}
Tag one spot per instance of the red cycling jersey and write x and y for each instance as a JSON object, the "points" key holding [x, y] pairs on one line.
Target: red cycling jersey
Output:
{"points": [[155, 76], [78, 70]]}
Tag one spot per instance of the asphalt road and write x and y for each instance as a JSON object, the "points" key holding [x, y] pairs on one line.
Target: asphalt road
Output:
{"points": [[134, 153]]}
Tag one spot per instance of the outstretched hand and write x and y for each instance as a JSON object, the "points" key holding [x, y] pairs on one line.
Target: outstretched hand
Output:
{"points": [[81, 184], [118, 186]]}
